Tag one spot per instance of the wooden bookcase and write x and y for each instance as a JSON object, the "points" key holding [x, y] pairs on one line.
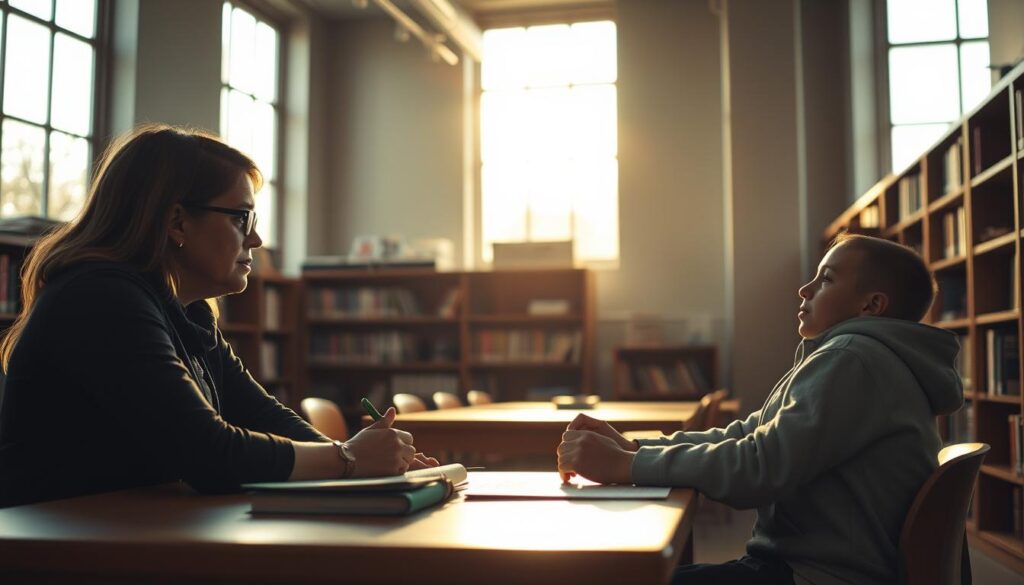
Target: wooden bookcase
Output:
{"points": [[263, 326], [633, 366], [976, 167], [375, 333], [15, 248]]}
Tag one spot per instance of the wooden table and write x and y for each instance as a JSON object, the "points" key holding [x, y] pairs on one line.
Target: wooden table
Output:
{"points": [[529, 428], [167, 534]]}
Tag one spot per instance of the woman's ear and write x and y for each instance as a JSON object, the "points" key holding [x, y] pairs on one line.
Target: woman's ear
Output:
{"points": [[875, 304], [176, 226]]}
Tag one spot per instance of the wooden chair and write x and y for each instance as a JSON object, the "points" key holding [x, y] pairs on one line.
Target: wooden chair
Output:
{"points": [[443, 400], [704, 418], [325, 416], [478, 397], [406, 403], [933, 545]]}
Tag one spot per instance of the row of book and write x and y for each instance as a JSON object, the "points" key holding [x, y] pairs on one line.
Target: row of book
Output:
{"points": [[10, 283], [953, 296], [1016, 423], [684, 378], [959, 426], [952, 171], [384, 347], [272, 308], [954, 233], [362, 302], [528, 345], [909, 195], [1002, 362]]}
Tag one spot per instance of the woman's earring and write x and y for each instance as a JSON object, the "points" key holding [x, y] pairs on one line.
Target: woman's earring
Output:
{"points": [[181, 244]]}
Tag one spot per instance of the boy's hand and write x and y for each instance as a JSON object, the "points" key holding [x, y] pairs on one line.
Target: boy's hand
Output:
{"points": [[595, 457], [583, 422]]}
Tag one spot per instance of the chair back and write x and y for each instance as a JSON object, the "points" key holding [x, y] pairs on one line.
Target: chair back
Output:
{"points": [[478, 397], [706, 415], [325, 416], [933, 550], [445, 400], [406, 403]]}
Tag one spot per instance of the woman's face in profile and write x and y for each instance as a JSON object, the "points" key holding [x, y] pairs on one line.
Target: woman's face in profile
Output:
{"points": [[217, 256]]}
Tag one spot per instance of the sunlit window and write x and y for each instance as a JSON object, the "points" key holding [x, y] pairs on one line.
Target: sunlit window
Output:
{"points": [[549, 145], [46, 115], [249, 103], [938, 69]]}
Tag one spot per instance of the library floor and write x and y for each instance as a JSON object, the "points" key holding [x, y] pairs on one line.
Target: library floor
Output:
{"points": [[719, 536]]}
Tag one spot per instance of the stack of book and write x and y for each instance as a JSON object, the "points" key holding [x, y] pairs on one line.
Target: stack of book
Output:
{"points": [[954, 233], [1002, 362], [909, 191], [362, 302], [952, 169], [528, 345]]}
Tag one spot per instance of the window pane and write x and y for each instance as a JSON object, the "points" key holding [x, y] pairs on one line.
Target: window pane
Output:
{"points": [[72, 85], [240, 121], [921, 20], [593, 54], [264, 139], [266, 63], [40, 8], [77, 16], [266, 213], [503, 205], [910, 142], [243, 49], [504, 65], [503, 136], [975, 75], [547, 119], [549, 55], [550, 199], [21, 169], [596, 208], [69, 162], [973, 18], [594, 132], [923, 84], [225, 44], [27, 67]]}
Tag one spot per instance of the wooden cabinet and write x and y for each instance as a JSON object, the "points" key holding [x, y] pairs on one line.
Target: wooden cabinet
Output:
{"points": [[684, 372]]}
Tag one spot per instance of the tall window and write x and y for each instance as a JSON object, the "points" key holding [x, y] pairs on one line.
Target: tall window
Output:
{"points": [[249, 103], [48, 63], [549, 145], [938, 69]]}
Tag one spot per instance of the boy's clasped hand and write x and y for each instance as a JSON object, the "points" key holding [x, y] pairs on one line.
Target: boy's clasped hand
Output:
{"points": [[593, 449]]}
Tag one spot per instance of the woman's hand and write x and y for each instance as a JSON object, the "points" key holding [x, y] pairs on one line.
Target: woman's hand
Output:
{"points": [[421, 461], [594, 456], [382, 450]]}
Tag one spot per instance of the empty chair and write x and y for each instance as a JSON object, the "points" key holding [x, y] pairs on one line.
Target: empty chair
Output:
{"points": [[445, 400], [325, 416], [478, 397], [933, 547], [406, 403]]}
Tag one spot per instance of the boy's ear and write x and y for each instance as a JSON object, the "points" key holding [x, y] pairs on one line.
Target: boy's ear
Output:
{"points": [[176, 225], [875, 304]]}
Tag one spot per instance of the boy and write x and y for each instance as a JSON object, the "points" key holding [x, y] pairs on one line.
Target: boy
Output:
{"points": [[835, 456]]}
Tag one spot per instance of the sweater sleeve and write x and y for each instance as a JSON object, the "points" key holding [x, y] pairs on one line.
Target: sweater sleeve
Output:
{"points": [[116, 343], [737, 429], [247, 404], [829, 415]]}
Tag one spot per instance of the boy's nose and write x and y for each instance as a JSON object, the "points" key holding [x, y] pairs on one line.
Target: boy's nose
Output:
{"points": [[804, 291]]}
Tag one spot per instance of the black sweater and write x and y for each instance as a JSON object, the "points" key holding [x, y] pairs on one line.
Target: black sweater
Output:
{"points": [[113, 384]]}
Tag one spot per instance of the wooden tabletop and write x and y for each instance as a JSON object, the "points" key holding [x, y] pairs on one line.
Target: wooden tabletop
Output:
{"points": [[168, 534]]}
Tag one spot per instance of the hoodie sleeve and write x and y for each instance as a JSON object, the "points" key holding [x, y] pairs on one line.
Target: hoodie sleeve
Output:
{"points": [[734, 430], [827, 417]]}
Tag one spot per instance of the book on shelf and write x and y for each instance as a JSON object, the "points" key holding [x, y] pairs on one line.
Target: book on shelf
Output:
{"points": [[954, 233], [976, 163], [683, 378], [380, 347], [1002, 362], [272, 308], [528, 345], [449, 306], [365, 302], [909, 195], [392, 495], [952, 171], [270, 359], [1016, 423], [548, 307]]}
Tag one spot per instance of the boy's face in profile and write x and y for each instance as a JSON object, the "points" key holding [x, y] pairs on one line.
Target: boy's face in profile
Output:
{"points": [[832, 296]]}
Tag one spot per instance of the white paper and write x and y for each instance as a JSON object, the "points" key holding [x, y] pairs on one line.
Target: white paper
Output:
{"points": [[548, 485]]}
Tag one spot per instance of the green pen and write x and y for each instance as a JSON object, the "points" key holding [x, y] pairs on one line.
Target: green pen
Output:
{"points": [[370, 410]]}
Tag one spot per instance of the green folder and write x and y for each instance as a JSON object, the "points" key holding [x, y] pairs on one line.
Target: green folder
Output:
{"points": [[394, 499]]}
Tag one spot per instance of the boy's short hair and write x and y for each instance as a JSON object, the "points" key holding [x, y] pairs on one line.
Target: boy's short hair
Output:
{"points": [[897, 271]]}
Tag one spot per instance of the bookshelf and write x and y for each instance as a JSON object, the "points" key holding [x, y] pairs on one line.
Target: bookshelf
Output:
{"points": [[683, 372], [517, 334], [263, 326], [968, 225], [13, 249]]}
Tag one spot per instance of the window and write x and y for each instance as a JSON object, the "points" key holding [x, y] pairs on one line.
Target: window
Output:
{"points": [[938, 69], [249, 103], [46, 109], [549, 147]]}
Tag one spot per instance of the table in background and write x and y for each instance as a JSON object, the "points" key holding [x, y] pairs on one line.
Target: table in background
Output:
{"points": [[167, 534]]}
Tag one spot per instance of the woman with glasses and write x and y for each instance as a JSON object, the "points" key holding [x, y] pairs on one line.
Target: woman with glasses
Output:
{"points": [[117, 375]]}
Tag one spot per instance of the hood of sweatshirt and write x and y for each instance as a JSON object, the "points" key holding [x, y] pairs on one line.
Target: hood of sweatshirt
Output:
{"points": [[928, 351]]}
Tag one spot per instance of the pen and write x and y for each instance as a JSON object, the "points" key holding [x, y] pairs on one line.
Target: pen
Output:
{"points": [[370, 410]]}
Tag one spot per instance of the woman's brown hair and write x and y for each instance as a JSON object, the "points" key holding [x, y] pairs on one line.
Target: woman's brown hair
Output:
{"points": [[137, 182]]}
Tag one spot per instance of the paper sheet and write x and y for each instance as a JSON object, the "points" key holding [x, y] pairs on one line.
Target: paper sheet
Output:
{"points": [[548, 485]]}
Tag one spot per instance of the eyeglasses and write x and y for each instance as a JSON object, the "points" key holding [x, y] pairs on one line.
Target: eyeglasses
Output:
{"points": [[247, 216]]}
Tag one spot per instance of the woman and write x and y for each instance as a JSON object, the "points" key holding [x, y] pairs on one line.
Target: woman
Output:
{"points": [[117, 375]]}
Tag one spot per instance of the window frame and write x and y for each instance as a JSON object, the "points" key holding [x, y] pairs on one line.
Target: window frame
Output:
{"points": [[280, 25], [526, 20], [885, 125], [100, 87]]}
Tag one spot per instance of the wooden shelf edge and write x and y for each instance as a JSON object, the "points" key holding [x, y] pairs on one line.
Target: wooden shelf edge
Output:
{"points": [[953, 323], [905, 223], [1003, 540], [992, 171], [997, 317], [1011, 399], [385, 321], [524, 365], [400, 367], [946, 200], [1003, 472], [996, 243], [986, 542], [946, 263]]}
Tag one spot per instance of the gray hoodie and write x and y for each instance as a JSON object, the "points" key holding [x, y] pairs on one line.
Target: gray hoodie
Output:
{"points": [[834, 458]]}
